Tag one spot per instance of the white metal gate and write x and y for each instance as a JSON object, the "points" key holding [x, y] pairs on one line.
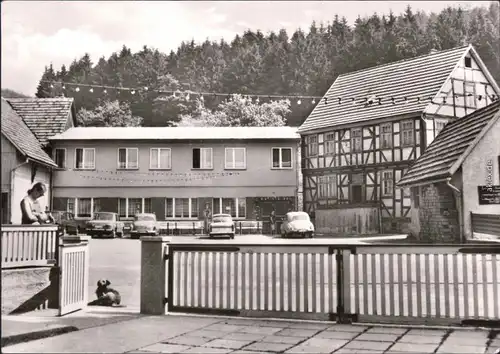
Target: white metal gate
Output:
{"points": [[74, 276]]}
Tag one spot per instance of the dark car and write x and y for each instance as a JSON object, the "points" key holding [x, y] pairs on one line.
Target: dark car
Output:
{"points": [[67, 222]]}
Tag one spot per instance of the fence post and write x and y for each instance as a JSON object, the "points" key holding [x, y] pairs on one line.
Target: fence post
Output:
{"points": [[343, 286], [153, 274]]}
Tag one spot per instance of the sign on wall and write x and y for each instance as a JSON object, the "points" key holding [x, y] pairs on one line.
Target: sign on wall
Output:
{"points": [[489, 195]]}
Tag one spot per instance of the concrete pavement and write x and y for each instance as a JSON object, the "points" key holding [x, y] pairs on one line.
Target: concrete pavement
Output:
{"points": [[203, 334]]}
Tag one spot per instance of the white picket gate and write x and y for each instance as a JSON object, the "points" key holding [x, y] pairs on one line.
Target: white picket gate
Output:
{"points": [[74, 274]]}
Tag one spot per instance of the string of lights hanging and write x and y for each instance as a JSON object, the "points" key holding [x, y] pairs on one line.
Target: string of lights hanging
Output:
{"points": [[373, 100]]}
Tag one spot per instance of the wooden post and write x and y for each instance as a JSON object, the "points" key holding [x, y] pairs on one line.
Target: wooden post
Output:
{"points": [[153, 274]]}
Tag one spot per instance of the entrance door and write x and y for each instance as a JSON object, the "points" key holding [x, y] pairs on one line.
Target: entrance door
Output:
{"points": [[356, 193], [5, 208]]}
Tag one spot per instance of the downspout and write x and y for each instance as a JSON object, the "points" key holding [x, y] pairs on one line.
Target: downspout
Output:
{"points": [[12, 179], [460, 206]]}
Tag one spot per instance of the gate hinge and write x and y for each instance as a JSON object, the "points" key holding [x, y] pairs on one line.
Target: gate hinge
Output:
{"points": [[339, 257], [166, 257], [165, 301]]}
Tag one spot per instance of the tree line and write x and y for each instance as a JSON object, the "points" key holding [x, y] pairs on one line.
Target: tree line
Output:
{"points": [[305, 63]]}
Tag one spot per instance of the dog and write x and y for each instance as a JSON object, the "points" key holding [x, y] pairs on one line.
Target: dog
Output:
{"points": [[106, 296]]}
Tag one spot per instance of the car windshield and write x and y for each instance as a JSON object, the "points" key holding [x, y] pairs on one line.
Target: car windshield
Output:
{"points": [[299, 217], [103, 216], [218, 219], [145, 218]]}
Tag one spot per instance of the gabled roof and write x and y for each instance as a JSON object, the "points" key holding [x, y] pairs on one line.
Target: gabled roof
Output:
{"points": [[18, 133], [44, 116], [447, 152], [178, 133], [422, 76]]}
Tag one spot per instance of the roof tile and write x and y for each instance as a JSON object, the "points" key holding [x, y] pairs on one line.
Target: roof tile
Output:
{"points": [[422, 76]]}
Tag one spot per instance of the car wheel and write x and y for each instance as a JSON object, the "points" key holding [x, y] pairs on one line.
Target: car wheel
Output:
{"points": [[231, 236], [310, 235], [119, 234]]}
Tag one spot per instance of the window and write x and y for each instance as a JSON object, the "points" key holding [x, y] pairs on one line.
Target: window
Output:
{"points": [[468, 62], [386, 135], [470, 94], [84, 207], [439, 125], [312, 145], [148, 205], [97, 205], [202, 158], [235, 158], [160, 159], [181, 208], [134, 206], [357, 142], [237, 207], [85, 158], [128, 158], [327, 186], [122, 207], [70, 208], [407, 132], [282, 157], [387, 183], [330, 143], [60, 158]]}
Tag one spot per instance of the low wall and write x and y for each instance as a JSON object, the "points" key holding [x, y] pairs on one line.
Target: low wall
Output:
{"points": [[28, 289], [348, 221]]}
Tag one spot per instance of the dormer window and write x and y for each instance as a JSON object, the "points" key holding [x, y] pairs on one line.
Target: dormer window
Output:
{"points": [[468, 62]]}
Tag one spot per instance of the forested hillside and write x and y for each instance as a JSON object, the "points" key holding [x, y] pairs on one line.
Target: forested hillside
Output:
{"points": [[303, 63]]}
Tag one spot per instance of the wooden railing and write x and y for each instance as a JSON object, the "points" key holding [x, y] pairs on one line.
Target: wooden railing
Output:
{"points": [[27, 245], [488, 224], [383, 283]]}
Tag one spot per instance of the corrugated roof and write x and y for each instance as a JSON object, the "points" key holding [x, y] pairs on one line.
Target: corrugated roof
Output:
{"points": [[178, 133], [422, 76], [45, 117], [18, 133], [449, 145]]}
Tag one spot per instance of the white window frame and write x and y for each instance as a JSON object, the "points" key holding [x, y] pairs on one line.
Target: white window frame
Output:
{"points": [[158, 162], [83, 159], [127, 167], [384, 185], [312, 147], [65, 158], [281, 167], [385, 135], [220, 211], [327, 186], [411, 136], [356, 141], [172, 217], [201, 160], [77, 207], [330, 146], [233, 167]]}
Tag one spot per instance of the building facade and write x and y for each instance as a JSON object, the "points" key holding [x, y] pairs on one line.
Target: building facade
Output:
{"points": [[372, 125], [177, 173], [449, 178]]}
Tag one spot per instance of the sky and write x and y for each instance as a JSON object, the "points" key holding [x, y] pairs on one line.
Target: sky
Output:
{"points": [[37, 33]]}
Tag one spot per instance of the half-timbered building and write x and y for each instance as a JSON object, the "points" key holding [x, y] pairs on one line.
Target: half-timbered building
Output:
{"points": [[372, 124]]}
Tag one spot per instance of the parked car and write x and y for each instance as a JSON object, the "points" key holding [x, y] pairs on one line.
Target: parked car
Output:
{"points": [[222, 225], [105, 224], [144, 224], [297, 223], [67, 222]]}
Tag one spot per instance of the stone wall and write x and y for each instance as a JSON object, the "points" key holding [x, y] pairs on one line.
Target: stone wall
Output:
{"points": [[438, 214]]}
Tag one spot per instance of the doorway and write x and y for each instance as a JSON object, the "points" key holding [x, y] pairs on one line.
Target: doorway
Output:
{"points": [[5, 208]]}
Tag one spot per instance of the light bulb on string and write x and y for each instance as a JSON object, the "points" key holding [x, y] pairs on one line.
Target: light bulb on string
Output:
{"points": [[406, 100], [299, 102], [105, 91], [77, 89], [133, 92], [91, 90], [353, 101], [187, 97], [313, 101], [51, 85], [146, 88]]}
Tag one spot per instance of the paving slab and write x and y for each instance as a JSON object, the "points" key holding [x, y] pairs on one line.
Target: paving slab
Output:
{"points": [[224, 327], [244, 336], [347, 328], [427, 332], [387, 330], [205, 333], [309, 325], [297, 332], [333, 344], [203, 350], [459, 349], [308, 349], [378, 337], [227, 343], [165, 348], [336, 335], [282, 339], [357, 351], [364, 345], [116, 337], [417, 339], [188, 340], [269, 347], [413, 348], [260, 330]]}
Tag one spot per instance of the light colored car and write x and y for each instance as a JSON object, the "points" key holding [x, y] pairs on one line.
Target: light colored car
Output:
{"points": [[297, 223], [144, 224], [105, 224], [222, 225]]}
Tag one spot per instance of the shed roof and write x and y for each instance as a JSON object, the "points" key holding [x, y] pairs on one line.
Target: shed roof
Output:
{"points": [[18, 133], [44, 116], [422, 76], [451, 145], [178, 133]]}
